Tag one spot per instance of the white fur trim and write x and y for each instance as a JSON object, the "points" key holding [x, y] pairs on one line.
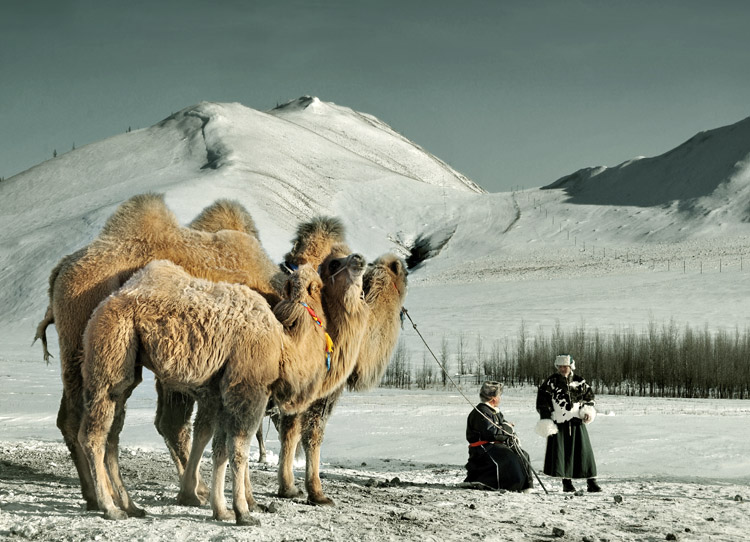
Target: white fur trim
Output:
{"points": [[545, 428], [587, 410]]}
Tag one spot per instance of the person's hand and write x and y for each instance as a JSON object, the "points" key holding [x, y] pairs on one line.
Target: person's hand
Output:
{"points": [[586, 418]]}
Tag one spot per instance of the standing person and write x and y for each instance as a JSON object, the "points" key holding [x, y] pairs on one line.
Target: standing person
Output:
{"points": [[565, 403], [494, 450]]}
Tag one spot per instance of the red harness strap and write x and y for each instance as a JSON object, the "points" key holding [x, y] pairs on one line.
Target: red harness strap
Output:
{"points": [[479, 443]]}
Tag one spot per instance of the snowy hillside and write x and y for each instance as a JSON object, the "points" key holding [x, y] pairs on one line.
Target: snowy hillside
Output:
{"points": [[709, 173], [570, 250]]}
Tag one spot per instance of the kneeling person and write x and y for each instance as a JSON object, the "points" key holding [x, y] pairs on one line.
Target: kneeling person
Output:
{"points": [[495, 458]]}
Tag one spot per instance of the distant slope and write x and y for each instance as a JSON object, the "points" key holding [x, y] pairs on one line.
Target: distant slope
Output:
{"points": [[702, 167]]}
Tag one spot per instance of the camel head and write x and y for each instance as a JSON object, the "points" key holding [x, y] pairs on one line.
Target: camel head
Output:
{"points": [[302, 294], [342, 281], [385, 276], [315, 240], [385, 290]]}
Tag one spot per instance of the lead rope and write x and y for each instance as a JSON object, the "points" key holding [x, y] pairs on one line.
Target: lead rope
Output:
{"points": [[514, 439]]}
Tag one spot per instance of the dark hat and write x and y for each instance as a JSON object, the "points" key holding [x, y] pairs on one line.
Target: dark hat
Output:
{"points": [[490, 389]]}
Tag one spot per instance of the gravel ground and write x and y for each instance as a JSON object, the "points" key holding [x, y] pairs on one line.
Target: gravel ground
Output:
{"points": [[40, 500]]}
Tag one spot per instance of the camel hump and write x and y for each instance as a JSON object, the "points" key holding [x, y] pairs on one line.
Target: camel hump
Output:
{"points": [[315, 239], [144, 214], [225, 214]]}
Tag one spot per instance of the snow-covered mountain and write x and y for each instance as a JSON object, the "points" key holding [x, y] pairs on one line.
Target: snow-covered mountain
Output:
{"points": [[307, 157], [709, 173]]}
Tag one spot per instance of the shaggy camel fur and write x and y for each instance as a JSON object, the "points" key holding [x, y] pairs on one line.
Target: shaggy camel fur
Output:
{"points": [[122, 255], [142, 229], [219, 341], [362, 366]]}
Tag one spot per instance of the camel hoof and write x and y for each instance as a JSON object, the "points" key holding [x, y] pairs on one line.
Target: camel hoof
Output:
{"points": [[115, 514], [136, 512], [256, 507], [320, 500], [186, 499], [203, 491], [247, 520], [262, 459], [224, 515], [289, 492]]}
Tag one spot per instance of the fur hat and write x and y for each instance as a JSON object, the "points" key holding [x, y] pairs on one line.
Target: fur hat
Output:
{"points": [[490, 389], [565, 359]]}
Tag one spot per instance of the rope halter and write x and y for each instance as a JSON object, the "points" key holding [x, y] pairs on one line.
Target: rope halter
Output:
{"points": [[329, 341]]}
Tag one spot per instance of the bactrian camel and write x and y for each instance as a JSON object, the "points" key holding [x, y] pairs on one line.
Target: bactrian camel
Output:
{"points": [[364, 336], [140, 230], [218, 341]]}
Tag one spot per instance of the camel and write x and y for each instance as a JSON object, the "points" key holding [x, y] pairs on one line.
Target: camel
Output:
{"points": [[361, 368], [141, 230], [216, 340]]}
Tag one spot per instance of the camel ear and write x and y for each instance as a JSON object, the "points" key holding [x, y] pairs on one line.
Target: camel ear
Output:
{"points": [[313, 288], [395, 267]]}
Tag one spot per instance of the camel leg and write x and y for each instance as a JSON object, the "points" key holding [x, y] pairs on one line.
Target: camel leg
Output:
{"points": [[289, 433], [261, 444], [220, 458], [240, 427], [315, 419], [70, 414], [95, 427], [173, 412], [205, 422], [69, 422], [113, 451]]}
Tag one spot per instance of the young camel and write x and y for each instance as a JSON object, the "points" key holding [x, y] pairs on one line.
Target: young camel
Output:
{"points": [[384, 292], [217, 341]]}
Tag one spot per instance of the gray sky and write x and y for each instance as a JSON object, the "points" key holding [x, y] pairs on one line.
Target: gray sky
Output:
{"points": [[508, 93]]}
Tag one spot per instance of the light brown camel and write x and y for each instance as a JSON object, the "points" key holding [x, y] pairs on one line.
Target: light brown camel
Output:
{"points": [[109, 261], [343, 295], [385, 283], [219, 341], [142, 229]]}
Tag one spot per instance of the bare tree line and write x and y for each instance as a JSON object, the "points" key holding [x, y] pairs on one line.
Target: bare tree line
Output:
{"points": [[659, 361]]}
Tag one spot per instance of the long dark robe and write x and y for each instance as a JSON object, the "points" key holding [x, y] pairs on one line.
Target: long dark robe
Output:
{"points": [[569, 453], [497, 463]]}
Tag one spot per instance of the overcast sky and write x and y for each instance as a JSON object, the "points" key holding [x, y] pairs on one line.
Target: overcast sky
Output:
{"points": [[508, 93]]}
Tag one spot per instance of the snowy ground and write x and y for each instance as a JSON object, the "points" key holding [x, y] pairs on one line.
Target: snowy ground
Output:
{"points": [[679, 467]]}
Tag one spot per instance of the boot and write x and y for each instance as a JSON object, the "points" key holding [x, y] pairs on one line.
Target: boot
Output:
{"points": [[593, 487], [568, 486]]}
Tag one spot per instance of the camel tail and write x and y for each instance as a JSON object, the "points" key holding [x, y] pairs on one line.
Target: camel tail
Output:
{"points": [[41, 332], [142, 216], [225, 214]]}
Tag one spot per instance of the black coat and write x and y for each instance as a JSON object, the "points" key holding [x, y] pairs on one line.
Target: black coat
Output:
{"points": [[497, 463], [569, 453]]}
